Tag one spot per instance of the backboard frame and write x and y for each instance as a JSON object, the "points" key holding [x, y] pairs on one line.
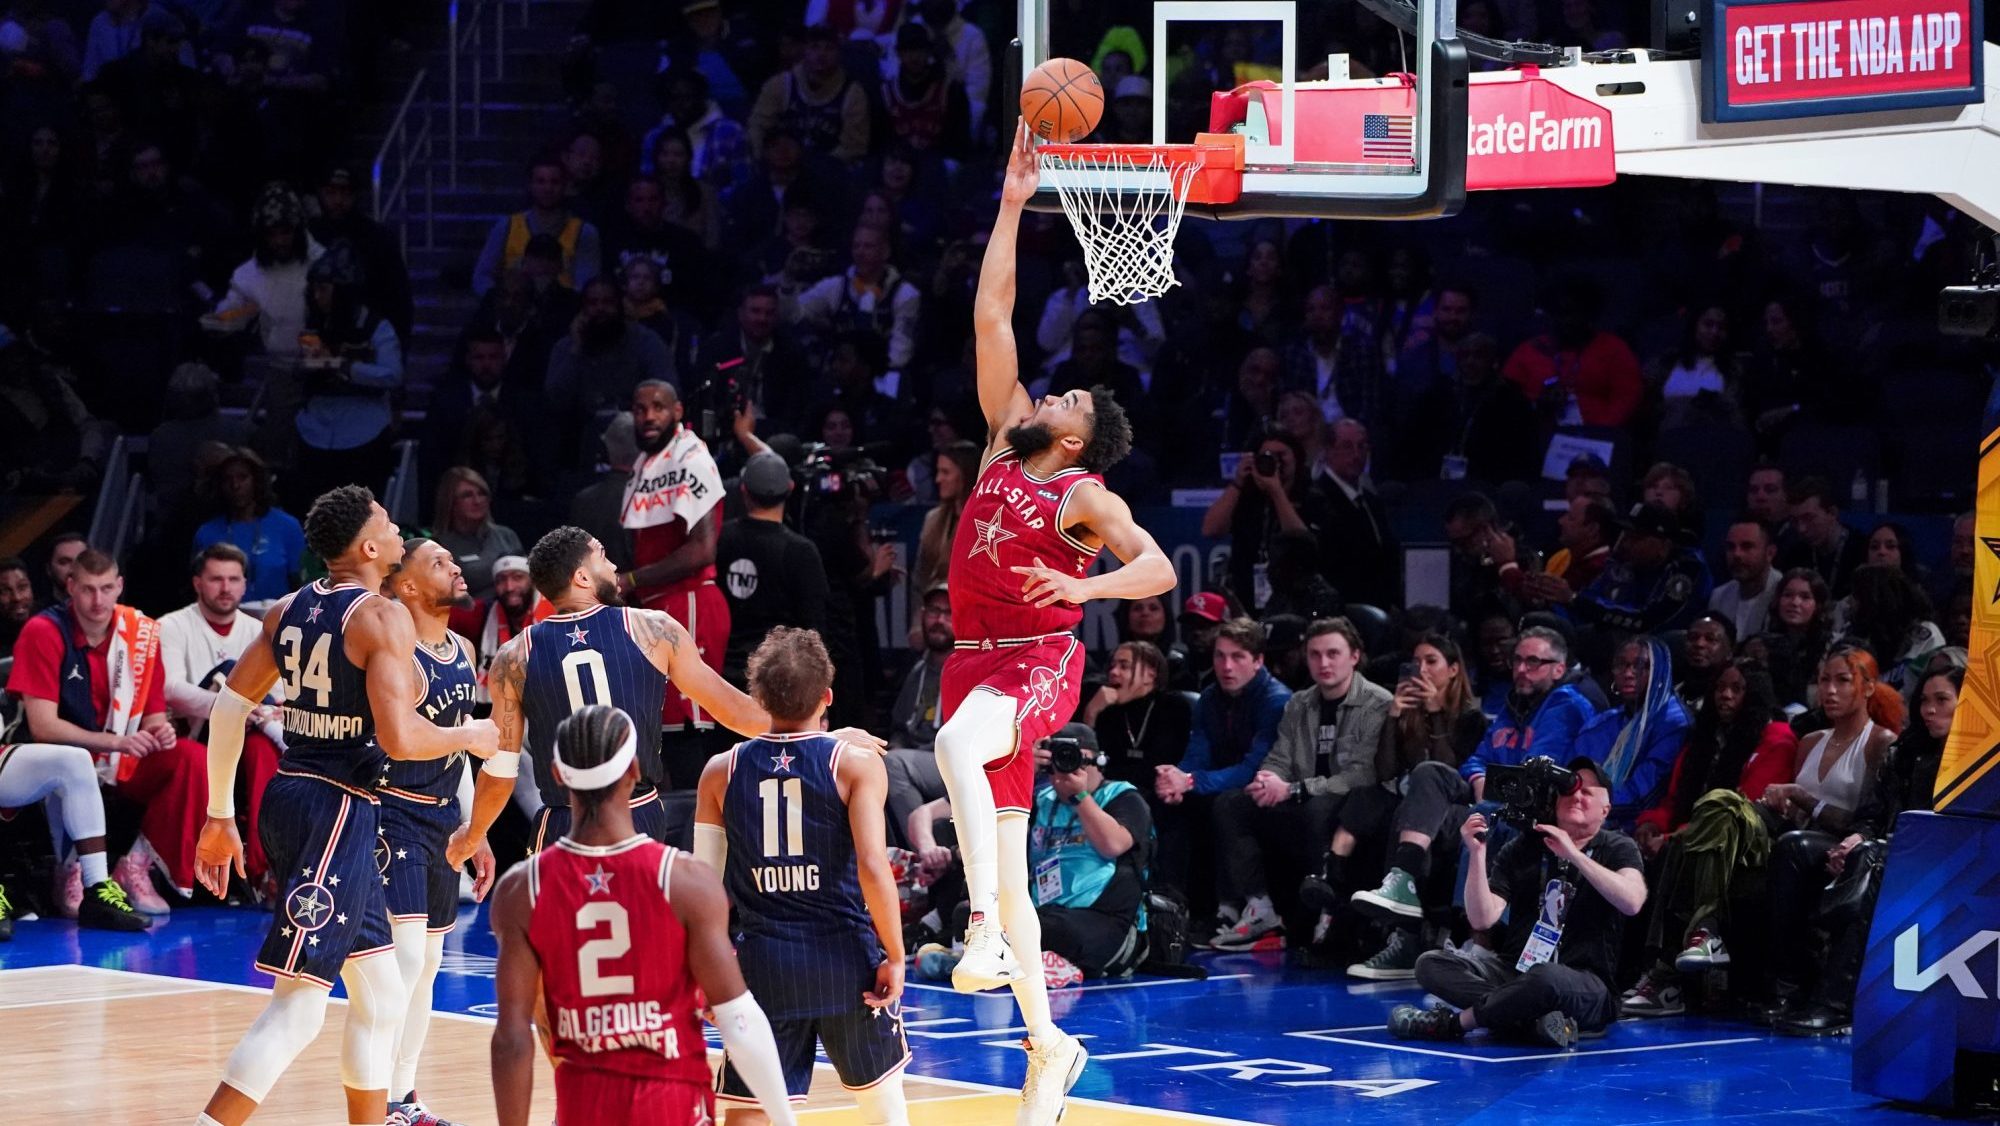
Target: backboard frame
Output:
{"points": [[1274, 184]]}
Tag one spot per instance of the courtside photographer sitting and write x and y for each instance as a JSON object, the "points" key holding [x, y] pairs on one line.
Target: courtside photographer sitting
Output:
{"points": [[1088, 840], [1555, 903]]}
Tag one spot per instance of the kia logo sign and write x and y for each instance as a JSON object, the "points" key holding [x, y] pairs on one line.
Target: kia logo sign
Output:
{"points": [[1912, 976], [1802, 58]]}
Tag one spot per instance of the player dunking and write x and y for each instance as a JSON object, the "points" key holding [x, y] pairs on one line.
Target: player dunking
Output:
{"points": [[614, 934], [1033, 523], [793, 821], [592, 650], [347, 656], [422, 803]]}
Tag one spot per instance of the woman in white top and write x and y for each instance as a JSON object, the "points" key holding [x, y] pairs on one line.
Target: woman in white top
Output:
{"points": [[1837, 769]]}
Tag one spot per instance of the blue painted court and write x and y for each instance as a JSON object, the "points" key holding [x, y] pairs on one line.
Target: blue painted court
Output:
{"points": [[1257, 1042]]}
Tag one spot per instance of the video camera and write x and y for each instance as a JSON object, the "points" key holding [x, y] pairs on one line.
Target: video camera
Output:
{"points": [[1528, 793], [822, 472]]}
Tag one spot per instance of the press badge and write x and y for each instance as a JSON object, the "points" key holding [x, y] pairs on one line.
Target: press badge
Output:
{"points": [[1453, 468], [1260, 583], [1548, 931], [1048, 882]]}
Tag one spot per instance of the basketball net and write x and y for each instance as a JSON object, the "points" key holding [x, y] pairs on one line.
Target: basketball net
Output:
{"points": [[1125, 210]]}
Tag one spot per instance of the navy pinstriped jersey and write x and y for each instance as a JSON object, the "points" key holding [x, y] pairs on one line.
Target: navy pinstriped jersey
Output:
{"points": [[449, 687], [329, 728], [575, 660], [804, 931]]}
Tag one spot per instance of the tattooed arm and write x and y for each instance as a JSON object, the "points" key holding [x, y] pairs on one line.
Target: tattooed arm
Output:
{"points": [[496, 780], [673, 652]]}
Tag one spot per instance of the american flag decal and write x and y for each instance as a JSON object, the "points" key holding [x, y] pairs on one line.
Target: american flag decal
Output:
{"points": [[1388, 136]]}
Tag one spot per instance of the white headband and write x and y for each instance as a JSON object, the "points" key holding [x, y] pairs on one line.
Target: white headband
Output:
{"points": [[603, 774]]}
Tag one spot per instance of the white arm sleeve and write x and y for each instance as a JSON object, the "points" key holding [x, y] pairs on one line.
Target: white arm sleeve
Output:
{"points": [[747, 1041], [225, 748], [711, 845]]}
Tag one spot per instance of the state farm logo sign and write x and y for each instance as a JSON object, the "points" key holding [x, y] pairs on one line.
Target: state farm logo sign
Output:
{"points": [[1525, 132], [1804, 58]]}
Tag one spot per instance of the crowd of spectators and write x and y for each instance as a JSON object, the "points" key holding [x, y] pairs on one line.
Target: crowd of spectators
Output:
{"points": [[754, 274]]}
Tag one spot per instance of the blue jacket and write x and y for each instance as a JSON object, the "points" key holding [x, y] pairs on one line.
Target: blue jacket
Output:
{"points": [[1232, 734], [1514, 738], [1637, 746]]}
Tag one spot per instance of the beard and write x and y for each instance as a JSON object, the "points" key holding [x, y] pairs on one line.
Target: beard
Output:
{"points": [[655, 445], [513, 604], [1031, 438], [607, 593]]}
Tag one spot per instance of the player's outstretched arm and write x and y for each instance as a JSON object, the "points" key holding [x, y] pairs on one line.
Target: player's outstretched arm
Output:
{"points": [[866, 781], [384, 640], [1002, 399], [673, 652], [220, 846], [696, 896], [517, 981], [1146, 571], [495, 786]]}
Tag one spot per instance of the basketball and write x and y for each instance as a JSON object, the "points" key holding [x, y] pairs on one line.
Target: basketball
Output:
{"points": [[1062, 100]]}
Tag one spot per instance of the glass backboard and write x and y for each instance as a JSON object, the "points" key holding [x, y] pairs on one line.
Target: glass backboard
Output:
{"points": [[1380, 113]]}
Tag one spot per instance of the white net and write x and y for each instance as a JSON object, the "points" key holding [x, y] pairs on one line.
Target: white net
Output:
{"points": [[1125, 212]]}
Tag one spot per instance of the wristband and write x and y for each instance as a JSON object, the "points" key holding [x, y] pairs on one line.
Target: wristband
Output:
{"points": [[1297, 790]]}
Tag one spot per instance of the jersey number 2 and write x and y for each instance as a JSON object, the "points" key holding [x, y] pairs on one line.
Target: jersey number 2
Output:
{"points": [[313, 675], [793, 793], [616, 945]]}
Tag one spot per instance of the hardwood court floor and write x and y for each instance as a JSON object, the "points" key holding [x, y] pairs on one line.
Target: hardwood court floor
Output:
{"points": [[142, 1050]]}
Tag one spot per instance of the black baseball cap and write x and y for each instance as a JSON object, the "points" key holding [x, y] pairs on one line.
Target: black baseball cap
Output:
{"points": [[1584, 762], [1650, 519]]}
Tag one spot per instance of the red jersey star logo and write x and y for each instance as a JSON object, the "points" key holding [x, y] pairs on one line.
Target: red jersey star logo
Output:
{"points": [[990, 536], [599, 881]]}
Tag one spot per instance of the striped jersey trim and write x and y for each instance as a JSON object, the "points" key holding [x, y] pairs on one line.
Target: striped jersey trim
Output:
{"points": [[1012, 642]]}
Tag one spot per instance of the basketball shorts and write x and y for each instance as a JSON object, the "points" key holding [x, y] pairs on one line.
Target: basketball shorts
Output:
{"points": [[1044, 678], [410, 855], [649, 816], [704, 612], [321, 839], [590, 1097], [866, 1046]]}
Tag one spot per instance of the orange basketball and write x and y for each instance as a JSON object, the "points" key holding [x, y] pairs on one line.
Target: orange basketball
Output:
{"points": [[1062, 100]]}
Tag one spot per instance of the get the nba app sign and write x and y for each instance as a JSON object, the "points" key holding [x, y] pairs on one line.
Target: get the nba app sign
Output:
{"points": [[1799, 58]]}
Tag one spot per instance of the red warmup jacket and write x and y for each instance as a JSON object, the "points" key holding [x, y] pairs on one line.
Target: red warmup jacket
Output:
{"points": [[1775, 760], [1603, 375]]}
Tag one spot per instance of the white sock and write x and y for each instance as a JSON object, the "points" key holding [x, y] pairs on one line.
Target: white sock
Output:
{"points": [[978, 733], [1260, 906], [418, 954], [95, 869], [1024, 928]]}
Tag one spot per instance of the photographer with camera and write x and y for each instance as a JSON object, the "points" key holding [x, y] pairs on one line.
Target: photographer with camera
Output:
{"points": [[1269, 495], [756, 360], [836, 489], [1542, 717], [1556, 901], [1334, 744], [1088, 842]]}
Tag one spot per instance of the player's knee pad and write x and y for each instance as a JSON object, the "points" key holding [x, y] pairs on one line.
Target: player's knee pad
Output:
{"points": [[980, 731], [409, 938], [287, 1025], [882, 1104], [376, 998], [433, 953]]}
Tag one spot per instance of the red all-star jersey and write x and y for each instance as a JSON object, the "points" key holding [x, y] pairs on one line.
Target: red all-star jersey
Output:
{"points": [[1011, 520], [614, 960]]}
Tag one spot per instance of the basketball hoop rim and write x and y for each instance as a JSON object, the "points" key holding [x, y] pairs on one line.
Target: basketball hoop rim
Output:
{"points": [[1216, 160]]}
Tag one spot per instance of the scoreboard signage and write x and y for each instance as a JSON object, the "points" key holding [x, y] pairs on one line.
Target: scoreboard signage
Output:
{"points": [[1767, 59]]}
